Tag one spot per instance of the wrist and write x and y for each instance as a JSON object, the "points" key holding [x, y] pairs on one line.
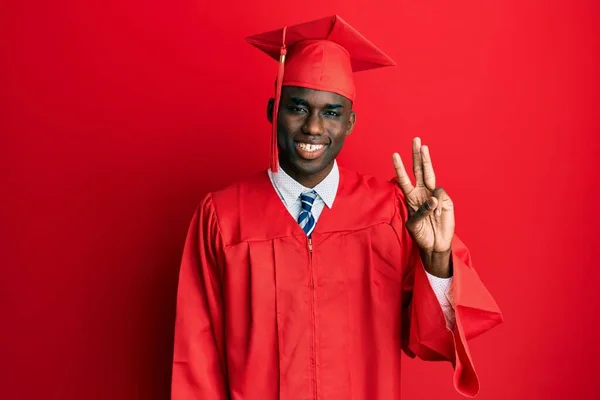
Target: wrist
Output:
{"points": [[438, 263]]}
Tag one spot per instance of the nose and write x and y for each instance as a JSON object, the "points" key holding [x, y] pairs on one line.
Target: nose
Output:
{"points": [[313, 125]]}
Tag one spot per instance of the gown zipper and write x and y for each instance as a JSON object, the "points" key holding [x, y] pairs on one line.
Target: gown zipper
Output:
{"points": [[313, 316]]}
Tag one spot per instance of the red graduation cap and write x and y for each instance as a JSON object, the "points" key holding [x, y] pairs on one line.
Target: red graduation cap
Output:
{"points": [[323, 55]]}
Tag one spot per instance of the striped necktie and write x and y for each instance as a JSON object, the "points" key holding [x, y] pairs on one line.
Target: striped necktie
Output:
{"points": [[306, 219]]}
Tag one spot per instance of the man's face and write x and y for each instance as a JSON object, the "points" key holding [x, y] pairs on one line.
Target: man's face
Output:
{"points": [[312, 127]]}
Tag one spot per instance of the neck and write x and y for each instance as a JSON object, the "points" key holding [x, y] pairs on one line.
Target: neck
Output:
{"points": [[307, 180]]}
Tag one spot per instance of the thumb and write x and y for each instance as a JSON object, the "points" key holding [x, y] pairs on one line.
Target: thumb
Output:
{"points": [[423, 212]]}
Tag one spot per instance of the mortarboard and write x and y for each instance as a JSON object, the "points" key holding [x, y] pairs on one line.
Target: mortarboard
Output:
{"points": [[322, 54]]}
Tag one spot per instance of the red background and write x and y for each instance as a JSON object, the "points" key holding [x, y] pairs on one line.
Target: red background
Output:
{"points": [[118, 116]]}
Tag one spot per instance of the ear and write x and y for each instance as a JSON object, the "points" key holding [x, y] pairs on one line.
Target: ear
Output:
{"points": [[270, 106], [351, 122]]}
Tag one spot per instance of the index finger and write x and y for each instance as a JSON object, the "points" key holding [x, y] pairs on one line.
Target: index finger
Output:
{"points": [[403, 179]]}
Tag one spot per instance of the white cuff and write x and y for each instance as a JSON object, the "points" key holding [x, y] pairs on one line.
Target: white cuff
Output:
{"points": [[442, 288]]}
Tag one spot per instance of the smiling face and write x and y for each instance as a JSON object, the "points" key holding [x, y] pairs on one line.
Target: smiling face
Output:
{"points": [[312, 127]]}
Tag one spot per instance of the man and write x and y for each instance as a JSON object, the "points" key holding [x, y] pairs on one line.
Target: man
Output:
{"points": [[308, 280]]}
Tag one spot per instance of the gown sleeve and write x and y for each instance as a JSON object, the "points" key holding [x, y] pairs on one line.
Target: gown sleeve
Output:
{"points": [[425, 332], [199, 370]]}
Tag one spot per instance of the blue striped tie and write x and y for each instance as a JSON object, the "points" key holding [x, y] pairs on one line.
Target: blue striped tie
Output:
{"points": [[306, 219]]}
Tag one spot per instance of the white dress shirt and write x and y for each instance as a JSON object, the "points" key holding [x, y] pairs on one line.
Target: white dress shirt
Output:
{"points": [[289, 192]]}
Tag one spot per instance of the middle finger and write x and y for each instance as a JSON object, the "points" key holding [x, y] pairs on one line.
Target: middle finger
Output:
{"points": [[417, 161]]}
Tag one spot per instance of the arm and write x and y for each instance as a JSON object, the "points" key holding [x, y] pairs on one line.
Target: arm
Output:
{"points": [[425, 331], [425, 222], [199, 369]]}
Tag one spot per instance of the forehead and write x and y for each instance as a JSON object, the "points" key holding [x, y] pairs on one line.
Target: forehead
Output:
{"points": [[313, 96]]}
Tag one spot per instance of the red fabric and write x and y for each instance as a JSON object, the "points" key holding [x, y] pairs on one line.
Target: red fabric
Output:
{"points": [[323, 54], [320, 65], [261, 317], [364, 55]]}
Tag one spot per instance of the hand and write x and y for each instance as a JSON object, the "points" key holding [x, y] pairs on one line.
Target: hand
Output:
{"points": [[430, 209]]}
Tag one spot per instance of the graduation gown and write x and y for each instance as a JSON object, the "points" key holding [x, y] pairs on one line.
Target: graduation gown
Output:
{"points": [[264, 314]]}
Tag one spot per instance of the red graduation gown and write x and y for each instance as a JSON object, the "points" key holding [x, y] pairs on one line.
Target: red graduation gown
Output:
{"points": [[262, 316]]}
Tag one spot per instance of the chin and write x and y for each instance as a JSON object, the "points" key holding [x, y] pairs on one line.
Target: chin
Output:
{"points": [[306, 167]]}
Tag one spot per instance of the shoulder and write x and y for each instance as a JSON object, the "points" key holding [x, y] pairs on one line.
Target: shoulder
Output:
{"points": [[234, 190], [239, 208], [229, 197], [369, 185], [374, 196]]}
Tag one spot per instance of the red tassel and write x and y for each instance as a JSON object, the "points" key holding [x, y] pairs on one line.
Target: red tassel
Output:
{"points": [[274, 149]]}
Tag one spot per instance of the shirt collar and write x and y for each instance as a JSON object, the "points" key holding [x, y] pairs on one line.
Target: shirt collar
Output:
{"points": [[290, 190]]}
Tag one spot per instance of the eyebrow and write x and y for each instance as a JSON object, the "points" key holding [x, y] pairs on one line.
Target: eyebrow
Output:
{"points": [[301, 102]]}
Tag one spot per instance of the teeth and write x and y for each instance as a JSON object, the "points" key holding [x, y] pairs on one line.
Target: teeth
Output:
{"points": [[310, 147]]}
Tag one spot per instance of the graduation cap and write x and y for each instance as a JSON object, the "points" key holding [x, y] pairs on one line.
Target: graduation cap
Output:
{"points": [[322, 55]]}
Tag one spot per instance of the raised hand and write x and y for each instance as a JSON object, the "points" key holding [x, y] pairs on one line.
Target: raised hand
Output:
{"points": [[431, 212]]}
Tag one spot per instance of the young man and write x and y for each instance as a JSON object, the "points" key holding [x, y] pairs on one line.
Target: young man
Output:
{"points": [[308, 280]]}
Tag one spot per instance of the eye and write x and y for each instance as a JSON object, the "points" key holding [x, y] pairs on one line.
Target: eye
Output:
{"points": [[296, 110], [332, 113]]}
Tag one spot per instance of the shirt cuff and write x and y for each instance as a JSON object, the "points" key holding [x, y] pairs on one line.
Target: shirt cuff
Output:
{"points": [[442, 288]]}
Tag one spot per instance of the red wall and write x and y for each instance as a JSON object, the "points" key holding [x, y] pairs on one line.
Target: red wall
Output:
{"points": [[116, 117]]}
